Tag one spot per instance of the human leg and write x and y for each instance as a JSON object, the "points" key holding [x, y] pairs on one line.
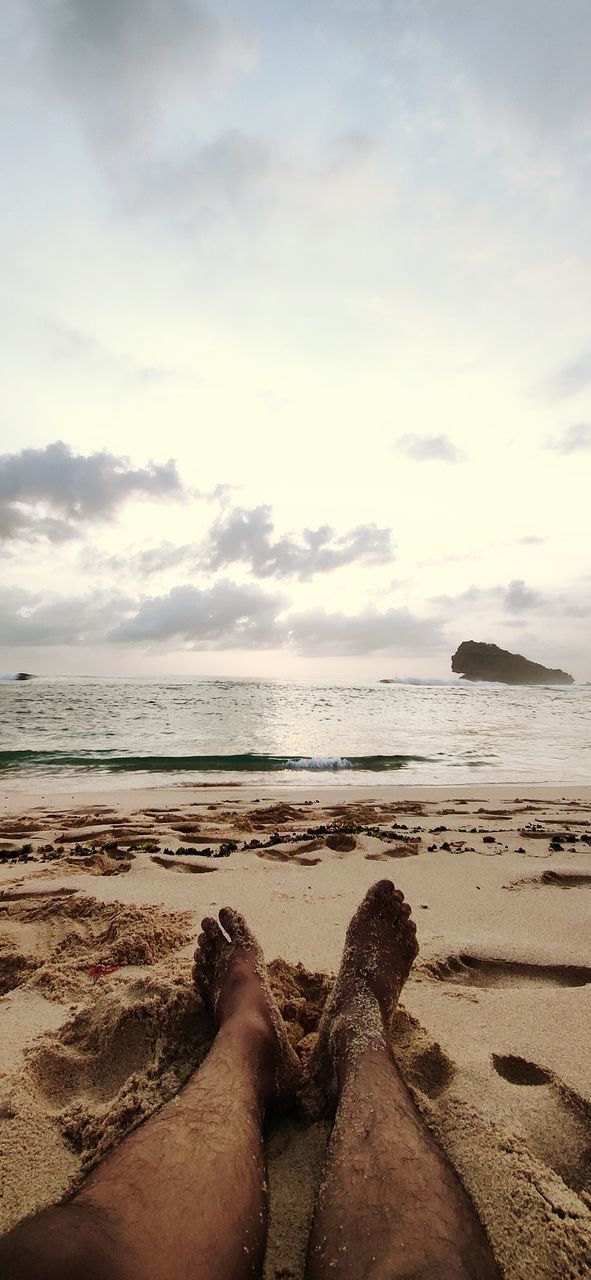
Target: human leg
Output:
{"points": [[390, 1204], [185, 1194]]}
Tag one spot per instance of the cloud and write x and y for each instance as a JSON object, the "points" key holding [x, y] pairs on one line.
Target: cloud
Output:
{"points": [[576, 439], [222, 617], [69, 343], [123, 62], [228, 616], [30, 619], [51, 492], [515, 597], [393, 631], [528, 59], [225, 616], [245, 535], [221, 176], [429, 448], [571, 379], [142, 564]]}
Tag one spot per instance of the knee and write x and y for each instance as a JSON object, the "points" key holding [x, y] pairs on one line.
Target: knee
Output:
{"points": [[66, 1243]]}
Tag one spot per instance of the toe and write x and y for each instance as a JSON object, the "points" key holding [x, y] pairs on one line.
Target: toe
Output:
{"points": [[382, 889], [377, 897], [235, 925], [207, 941]]}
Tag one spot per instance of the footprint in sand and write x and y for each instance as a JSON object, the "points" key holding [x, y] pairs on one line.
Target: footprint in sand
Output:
{"points": [[554, 1120], [558, 879], [424, 1063], [408, 850], [178, 864], [481, 971]]}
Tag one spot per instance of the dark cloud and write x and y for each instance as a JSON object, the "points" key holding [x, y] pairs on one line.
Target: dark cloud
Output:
{"points": [[225, 616], [51, 492], [120, 62], [245, 536], [429, 448], [393, 631], [576, 439]]}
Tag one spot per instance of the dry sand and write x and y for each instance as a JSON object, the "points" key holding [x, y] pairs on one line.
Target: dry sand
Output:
{"points": [[100, 1023]]}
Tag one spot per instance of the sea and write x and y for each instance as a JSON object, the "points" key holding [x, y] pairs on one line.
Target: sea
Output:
{"points": [[417, 732]]}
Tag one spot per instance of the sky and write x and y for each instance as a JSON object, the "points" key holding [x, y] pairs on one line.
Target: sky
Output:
{"points": [[296, 338]]}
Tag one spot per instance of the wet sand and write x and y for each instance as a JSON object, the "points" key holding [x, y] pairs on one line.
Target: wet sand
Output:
{"points": [[101, 894]]}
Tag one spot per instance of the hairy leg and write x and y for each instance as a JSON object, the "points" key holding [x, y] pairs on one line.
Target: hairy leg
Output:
{"points": [[185, 1195], [390, 1204]]}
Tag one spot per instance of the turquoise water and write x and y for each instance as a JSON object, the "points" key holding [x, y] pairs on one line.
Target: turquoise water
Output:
{"points": [[416, 732]]}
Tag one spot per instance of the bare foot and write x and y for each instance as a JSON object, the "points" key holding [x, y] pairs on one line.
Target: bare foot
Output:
{"points": [[380, 947], [231, 975]]}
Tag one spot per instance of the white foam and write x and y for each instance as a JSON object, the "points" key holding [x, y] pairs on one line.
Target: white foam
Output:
{"points": [[320, 762]]}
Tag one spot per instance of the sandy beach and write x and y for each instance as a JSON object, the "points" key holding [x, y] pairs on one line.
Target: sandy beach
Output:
{"points": [[101, 895]]}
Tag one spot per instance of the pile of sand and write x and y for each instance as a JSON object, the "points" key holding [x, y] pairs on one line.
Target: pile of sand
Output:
{"points": [[59, 942]]}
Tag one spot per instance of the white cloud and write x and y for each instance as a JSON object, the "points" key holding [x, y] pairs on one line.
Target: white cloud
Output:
{"points": [[575, 439], [393, 631], [429, 448], [516, 598], [570, 379]]}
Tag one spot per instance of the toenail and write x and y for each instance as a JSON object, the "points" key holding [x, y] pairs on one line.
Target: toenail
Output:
{"points": [[228, 917]]}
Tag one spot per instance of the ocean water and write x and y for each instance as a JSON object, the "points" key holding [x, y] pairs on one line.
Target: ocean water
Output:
{"points": [[416, 732]]}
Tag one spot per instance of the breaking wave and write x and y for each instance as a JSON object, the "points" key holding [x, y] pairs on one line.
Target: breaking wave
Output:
{"points": [[105, 761]]}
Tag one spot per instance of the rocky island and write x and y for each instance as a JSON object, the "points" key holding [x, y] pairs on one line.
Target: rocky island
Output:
{"points": [[477, 661]]}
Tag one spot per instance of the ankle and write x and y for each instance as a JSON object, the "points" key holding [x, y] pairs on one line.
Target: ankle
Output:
{"points": [[251, 1030], [355, 1038]]}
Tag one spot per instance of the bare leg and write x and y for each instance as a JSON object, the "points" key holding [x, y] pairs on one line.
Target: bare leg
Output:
{"points": [[390, 1205], [185, 1195]]}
